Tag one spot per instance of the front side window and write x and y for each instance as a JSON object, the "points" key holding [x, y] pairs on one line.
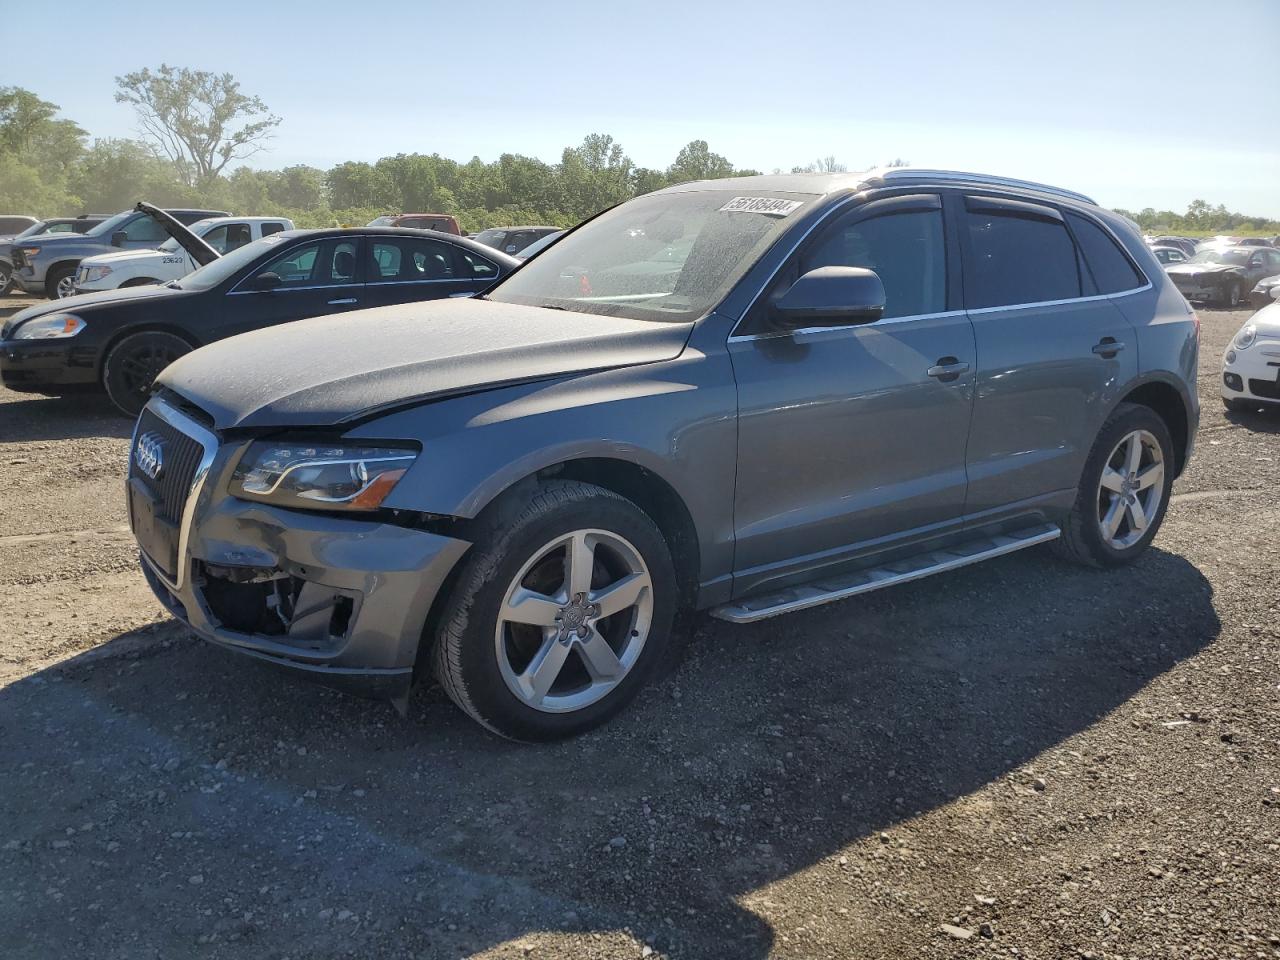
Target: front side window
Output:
{"points": [[296, 267], [1112, 272], [905, 249], [408, 259], [664, 256], [476, 265], [145, 230], [1018, 259]]}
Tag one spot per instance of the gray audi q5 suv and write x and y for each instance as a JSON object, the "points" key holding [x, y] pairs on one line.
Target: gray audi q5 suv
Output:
{"points": [[747, 396]]}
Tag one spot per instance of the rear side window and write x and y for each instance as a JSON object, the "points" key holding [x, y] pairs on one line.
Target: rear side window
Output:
{"points": [[407, 259], [1018, 259], [1111, 269], [476, 265], [905, 249]]}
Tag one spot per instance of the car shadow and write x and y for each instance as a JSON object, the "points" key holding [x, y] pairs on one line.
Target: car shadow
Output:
{"points": [[71, 417], [771, 749], [1261, 420]]}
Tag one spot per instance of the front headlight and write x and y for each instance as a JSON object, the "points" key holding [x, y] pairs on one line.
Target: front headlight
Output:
{"points": [[92, 274], [29, 252], [53, 327], [317, 476], [1244, 339]]}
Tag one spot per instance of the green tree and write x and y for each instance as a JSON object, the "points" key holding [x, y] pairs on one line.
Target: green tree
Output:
{"points": [[115, 174], [298, 188], [192, 116], [358, 184], [695, 161]]}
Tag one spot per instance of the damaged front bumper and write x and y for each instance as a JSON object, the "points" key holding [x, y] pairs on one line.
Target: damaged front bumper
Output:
{"points": [[341, 601]]}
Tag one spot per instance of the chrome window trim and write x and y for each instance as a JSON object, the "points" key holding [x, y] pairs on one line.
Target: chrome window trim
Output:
{"points": [[887, 321], [209, 444], [1057, 303], [397, 283], [277, 290]]}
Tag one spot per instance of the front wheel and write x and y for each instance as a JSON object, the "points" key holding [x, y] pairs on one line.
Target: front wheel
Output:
{"points": [[561, 614], [60, 284], [1124, 490], [1232, 295], [133, 365], [6, 279]]}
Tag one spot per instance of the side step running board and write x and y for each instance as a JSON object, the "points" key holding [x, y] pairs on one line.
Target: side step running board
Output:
{"points": [[813, 594]]}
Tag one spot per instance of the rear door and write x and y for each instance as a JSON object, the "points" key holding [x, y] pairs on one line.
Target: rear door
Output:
{"points": [[1053, 348], [852, 438], [317, 277], [407, 269]]}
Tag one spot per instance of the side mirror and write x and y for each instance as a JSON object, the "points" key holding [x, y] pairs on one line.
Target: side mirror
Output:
{"points": [[118, 238], [831, 297], [266, 281]]}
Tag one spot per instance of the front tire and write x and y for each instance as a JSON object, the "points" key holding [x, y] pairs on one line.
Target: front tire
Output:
{"points": [[6, 280], [1124, 490], [1232, 295], [562, 612], [133, 365], [60, 283]]}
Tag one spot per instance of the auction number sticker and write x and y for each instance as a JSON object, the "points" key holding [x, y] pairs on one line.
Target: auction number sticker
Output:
{"points": [[770, 206]]}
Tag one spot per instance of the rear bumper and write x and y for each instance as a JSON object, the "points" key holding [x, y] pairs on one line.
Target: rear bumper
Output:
{"points": [[47, 366], [360, 591]]}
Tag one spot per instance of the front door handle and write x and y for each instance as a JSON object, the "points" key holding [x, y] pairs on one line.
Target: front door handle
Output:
{"points": [[344, 300], [948, 369], [1107, 347]]}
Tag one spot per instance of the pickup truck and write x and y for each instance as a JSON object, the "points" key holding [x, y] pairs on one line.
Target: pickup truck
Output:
{"points": [[136, 268]]}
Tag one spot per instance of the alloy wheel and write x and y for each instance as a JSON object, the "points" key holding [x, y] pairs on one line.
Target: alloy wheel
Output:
{"points": [[1130, 489], [139, 369], [66, 287], [574, 621]]}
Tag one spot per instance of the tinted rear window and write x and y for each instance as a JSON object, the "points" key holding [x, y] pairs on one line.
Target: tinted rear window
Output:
{"points": [[1014, 259], [1111, 269]]}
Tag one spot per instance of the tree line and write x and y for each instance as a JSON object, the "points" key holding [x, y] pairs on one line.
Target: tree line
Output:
{"points": [[197, 125]]}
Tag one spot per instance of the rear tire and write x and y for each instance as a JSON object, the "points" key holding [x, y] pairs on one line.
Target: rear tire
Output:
{"points": [[534, 651], [133, 365], [59, 283], [1115, 518]]}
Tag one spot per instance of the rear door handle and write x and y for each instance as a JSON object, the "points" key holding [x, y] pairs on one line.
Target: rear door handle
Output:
{"points": [[948, 369], [1107, 347], [344, 300]]}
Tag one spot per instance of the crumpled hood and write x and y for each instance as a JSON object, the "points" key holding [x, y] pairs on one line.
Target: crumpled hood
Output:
{"points": [[334, 369], [1191, 269], [84, 303]]}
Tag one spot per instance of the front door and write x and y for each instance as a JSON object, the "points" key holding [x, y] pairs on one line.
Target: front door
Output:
{"points": [[1053, 347], [852, 438], [317, 277]]}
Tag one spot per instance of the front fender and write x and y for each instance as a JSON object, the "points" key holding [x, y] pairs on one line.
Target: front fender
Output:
{"points": [[676, 419]]}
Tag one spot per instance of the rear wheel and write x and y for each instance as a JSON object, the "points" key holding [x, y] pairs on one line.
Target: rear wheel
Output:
{"points": [[60, 283], [561, 614], [133, 365], [1124, 490]]}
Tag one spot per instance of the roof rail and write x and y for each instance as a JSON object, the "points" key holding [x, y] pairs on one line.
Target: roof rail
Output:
{"points": [[890, 174]]}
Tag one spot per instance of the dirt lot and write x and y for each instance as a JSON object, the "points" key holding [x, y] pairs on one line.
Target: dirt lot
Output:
{"points": [[1052, 761]]}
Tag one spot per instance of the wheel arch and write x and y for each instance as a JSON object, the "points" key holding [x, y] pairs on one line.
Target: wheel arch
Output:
{"points": [[1168, 403], [141, 328]]}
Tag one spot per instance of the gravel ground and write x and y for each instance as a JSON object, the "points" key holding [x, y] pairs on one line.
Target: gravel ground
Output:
{"points": [[1022, 759]]}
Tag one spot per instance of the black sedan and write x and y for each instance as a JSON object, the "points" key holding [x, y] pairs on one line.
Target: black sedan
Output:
{"points": [[1224, 275], [119, 340]]}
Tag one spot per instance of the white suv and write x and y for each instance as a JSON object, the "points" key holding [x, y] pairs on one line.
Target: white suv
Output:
{"points": [[133, 268]]}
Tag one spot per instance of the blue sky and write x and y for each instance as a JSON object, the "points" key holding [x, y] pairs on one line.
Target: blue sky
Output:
{"points": [[1138, 103]]}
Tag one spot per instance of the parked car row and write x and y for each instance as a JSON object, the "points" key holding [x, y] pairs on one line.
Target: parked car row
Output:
{"points": [[118, 340]]}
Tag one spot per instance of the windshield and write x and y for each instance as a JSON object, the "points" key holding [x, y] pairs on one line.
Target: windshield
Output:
{"points": [[1235, 257], [226, 266], [490, 238], [109, 225], [538, 246], [668, 256], [36, 227]]}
